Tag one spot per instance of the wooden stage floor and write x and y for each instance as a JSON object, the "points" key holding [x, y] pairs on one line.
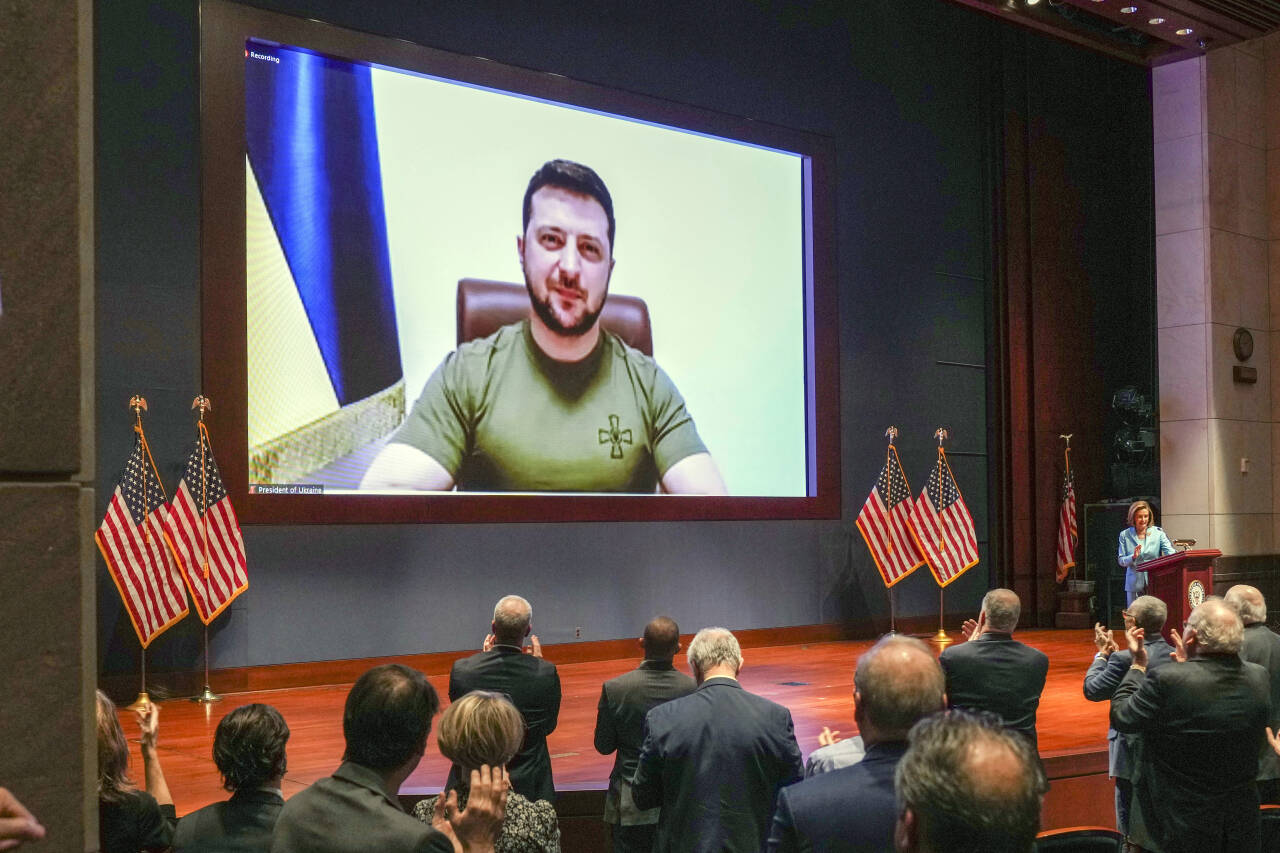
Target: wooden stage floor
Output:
{"points": [[814, 680]]}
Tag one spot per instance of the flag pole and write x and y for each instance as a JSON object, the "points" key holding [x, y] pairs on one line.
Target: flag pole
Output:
{"points": [[941, 638], [139, 405], [891, 433], [201, 402], [1066, 473]]}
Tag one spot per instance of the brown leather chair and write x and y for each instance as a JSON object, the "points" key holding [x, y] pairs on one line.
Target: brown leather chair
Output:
{"points": [[486, 306]]}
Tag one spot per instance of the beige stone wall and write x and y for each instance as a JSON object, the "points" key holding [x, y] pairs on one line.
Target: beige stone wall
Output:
{"points": [[1212, 231]]}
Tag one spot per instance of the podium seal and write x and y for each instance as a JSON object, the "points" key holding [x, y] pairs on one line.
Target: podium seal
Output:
{"points": [[1195, 593]]}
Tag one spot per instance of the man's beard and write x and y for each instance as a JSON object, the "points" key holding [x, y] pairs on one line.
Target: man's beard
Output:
{"points": [[547, 314]]}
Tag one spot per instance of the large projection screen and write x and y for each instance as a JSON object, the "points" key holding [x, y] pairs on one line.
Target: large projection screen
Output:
{"points": [[351, 183]]}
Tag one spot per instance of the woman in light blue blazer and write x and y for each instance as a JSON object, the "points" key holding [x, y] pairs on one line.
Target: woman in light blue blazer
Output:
{"points": [[1139, 542]]}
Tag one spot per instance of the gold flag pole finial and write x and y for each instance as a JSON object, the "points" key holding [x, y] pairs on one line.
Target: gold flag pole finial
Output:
{"points": [[891, 433], [941, 638], [202, 403]]}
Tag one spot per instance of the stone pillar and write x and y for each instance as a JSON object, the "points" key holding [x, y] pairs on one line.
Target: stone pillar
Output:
{"points": [[1211, 278], [47, 623]]}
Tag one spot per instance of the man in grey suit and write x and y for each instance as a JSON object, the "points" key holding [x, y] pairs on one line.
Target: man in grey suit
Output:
{"points": [[1261, 646], [624, 702], [386, 722], [531, 683], [992, 671], [1105, 674], [1202, 724], [715, 759], [249, 751]]}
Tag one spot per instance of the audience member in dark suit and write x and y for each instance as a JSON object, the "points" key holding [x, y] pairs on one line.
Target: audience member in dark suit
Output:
{"points": [[532, 684], [967, 784], [1105, 674], [994, 672], [130, 820], [484, 728], [624, 702], [1261, 646], [715, 759], [1202, 723], [249, 751], [386, 722], [895, 685]]}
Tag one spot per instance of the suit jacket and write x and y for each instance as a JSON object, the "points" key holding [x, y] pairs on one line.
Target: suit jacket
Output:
{"points": [[534, 688], [996, 673], [350, 812], [624, 702], [1202, 724], [714, 761], [242, 824], [850, 809], [1262, 646], [1100, 683]]}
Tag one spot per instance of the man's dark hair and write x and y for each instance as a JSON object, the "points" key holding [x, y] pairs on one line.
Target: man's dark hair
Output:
{"points": [[248, 747], [388, 716], [575, 177], [957, 810], [661, 638]]}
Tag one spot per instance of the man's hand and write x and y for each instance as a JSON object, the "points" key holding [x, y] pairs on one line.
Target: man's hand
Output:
{"points": [[1103, 640], [17, 825], [535, 647], [973, 629], [489, 640], [1271, 739], [1179, 647], [476, 828], [828, 737], [1137, 646], [149, 725]]}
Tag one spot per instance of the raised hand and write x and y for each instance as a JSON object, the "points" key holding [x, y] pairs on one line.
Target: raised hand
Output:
{"points": [[1137, 645], [828, 737], [149, 724], [969, 629], [1179, 647], [476, 828], [489, 640], [1103, 639], [17, 825], [535, 647]]}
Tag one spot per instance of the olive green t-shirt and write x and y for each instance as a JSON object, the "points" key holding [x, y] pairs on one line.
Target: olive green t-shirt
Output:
{"points": [[500, 415]]}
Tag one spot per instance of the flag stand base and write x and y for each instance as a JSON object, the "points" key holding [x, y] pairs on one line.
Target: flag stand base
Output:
{"points": [[141, 703], [941, 638], [206, 695]]}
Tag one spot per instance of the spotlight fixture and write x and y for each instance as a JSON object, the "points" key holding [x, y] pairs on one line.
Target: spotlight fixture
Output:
{"points": [[1032, 2], [1128, 10], [1155, 21], [1185, 31]]}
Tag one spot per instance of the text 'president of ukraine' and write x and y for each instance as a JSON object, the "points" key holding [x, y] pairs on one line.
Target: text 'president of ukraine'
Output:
{"points": [[525, 408]]}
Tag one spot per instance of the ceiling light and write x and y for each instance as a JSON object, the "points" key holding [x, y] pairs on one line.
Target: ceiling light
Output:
{"points": [[1155, 21], [1129, 10], [1185, 31]]}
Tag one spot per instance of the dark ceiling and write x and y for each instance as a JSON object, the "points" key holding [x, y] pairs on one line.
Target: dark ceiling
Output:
{"points": [[1148, 32]]}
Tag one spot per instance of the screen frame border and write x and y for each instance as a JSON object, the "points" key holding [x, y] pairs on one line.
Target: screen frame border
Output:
{"points": [[224, 28]]}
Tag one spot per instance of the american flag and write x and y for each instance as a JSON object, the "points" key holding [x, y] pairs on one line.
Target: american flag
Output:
{"points": [[205, 535], [131, 539], [942, 525], [884, 524], [1067, 535]]}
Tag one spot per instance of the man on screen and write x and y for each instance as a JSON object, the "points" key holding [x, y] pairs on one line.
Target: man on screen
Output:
{"points": [[552, 403]]}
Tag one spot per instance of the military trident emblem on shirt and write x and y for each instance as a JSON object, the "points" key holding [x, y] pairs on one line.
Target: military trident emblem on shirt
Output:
{"points": [[615, 436]]}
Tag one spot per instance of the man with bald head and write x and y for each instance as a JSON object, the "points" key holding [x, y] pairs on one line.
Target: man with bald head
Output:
{"points": [[715, 759], [967, 784], [895, 685], [992, 671], [532, 684], [1261, 645], [624, 702], [1202, 724]]}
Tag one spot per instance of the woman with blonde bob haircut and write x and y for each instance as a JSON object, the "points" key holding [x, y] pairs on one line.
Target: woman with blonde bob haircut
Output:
{"points": [[130, 820], [1139, 542], [484, 728]]}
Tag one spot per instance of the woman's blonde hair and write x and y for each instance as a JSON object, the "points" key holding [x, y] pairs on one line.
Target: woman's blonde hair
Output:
{"points": [[1137, 505], [481, 728], [113, 754]]}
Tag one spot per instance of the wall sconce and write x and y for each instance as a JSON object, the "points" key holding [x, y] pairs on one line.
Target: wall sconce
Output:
{"points": [[1242, 344]]}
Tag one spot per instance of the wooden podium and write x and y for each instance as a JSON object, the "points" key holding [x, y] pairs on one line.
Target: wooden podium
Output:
{"points": [[1181, 581]]}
